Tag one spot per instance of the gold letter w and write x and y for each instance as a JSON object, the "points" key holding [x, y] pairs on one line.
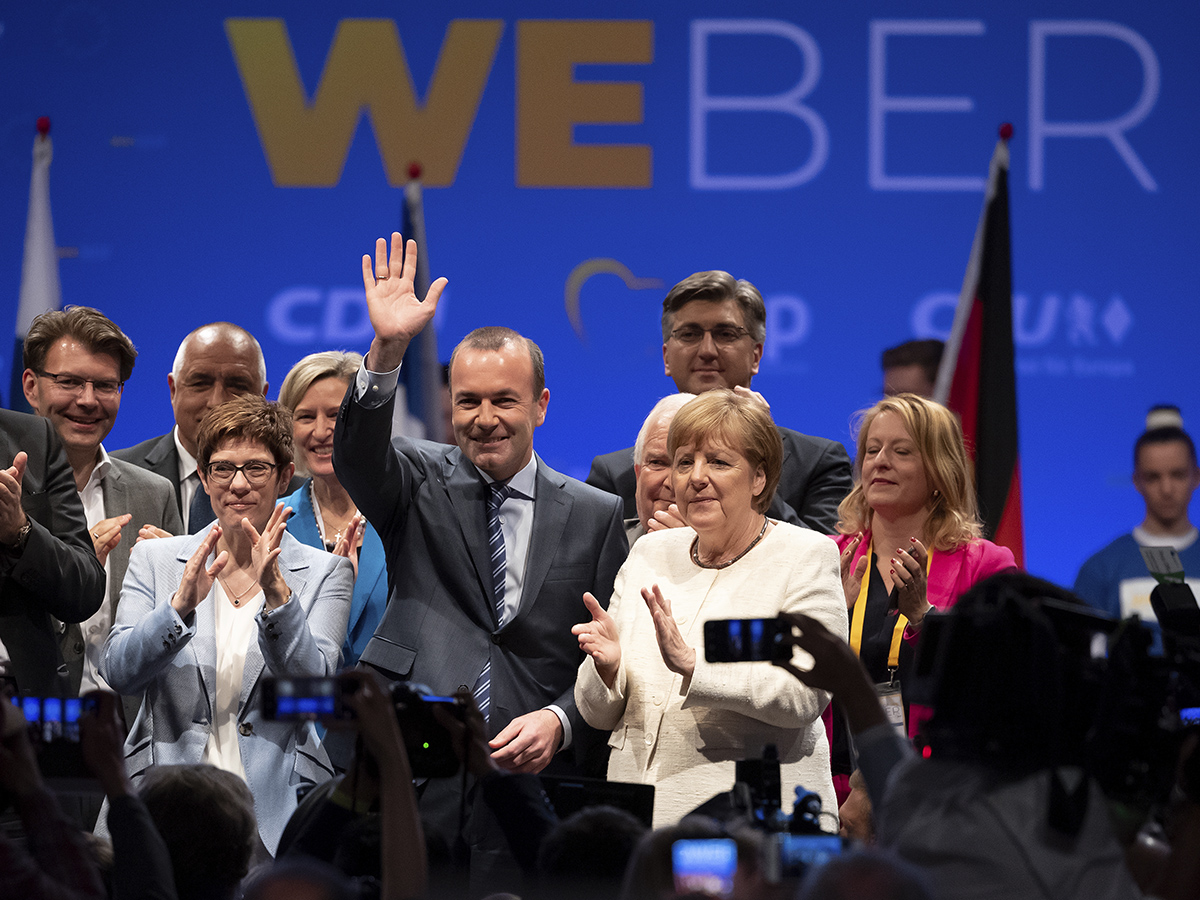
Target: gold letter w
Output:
{"points": [[306, 143]]}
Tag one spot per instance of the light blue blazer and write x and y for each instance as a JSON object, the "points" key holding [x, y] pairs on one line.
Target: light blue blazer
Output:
{"points": [[172, 662], [371, 588]]}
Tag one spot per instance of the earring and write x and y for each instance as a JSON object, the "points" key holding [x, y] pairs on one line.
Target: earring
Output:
{"points": [[937, 495]]}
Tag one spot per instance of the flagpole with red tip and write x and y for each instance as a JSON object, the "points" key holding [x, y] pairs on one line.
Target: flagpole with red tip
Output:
{"points": [[422, 370], [40, 291]]}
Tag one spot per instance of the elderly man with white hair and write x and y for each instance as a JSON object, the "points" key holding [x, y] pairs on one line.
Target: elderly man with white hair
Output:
{"points": [[651, 468]]}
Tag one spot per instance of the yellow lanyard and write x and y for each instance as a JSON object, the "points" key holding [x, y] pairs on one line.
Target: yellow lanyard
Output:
{"points": [[859, 615]]}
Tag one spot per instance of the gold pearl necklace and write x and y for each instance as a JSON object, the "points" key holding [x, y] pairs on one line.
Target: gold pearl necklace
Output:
{"points": [[727, 563]]}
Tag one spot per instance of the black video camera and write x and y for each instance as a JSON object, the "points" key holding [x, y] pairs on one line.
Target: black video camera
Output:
{"points": [[430, 749]]}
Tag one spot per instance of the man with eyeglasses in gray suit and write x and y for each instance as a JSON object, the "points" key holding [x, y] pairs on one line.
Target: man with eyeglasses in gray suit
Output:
{"points": [[76, 364]]}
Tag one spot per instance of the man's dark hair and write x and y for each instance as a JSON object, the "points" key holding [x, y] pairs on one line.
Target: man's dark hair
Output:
{"points": [[925, 353], [1167, 434], [593, 844], [496, 337], [206, 818], [865, 873], [90, 327], [716, 287], [282, 878]]}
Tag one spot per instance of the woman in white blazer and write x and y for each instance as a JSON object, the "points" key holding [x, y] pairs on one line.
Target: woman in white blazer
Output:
{"points": [[204, 618], [679, 722]]}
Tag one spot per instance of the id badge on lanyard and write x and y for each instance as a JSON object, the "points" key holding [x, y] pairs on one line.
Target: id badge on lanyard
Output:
{"points": [[889, 693], [892, 702]]}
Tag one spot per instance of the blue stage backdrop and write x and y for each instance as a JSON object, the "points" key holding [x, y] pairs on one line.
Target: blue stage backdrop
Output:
{"points": [[233, 160]]}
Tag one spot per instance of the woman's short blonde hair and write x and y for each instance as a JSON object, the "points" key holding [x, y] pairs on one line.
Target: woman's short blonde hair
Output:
{"points": [[743, 423], [953, 513], [304, 374]]}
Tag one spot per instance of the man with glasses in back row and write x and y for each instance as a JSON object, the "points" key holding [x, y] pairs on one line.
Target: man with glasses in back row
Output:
{"points": [[76, 364], [714, 327]]}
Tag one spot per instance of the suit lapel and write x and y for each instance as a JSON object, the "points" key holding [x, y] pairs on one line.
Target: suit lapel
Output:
{"points": [[551, 510], [466, 489], [116, 501], [164, 460]]}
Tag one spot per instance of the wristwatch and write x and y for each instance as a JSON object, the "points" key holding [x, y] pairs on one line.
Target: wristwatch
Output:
{"points": [[22, 536]]}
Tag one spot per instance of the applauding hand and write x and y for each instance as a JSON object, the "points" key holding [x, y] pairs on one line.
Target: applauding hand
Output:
{"points": [[852, 573], [12, 515], [598, 639], [264, 555], [908, 577], [106, 534], [198, 578], [347, 545], [676, 652]]}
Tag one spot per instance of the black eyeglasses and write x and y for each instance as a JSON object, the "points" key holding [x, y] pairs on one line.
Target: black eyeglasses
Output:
{"points": [[722, 335], [73, 384], [256, 472]]}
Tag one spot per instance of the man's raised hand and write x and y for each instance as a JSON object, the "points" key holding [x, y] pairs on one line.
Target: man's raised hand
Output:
{"points": [[397, 313]]}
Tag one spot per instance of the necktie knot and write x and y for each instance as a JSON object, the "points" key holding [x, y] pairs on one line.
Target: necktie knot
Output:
{"points": [[497, 494]]}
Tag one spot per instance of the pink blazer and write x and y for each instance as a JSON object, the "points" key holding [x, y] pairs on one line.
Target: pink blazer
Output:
{"points": [[951, 573]]}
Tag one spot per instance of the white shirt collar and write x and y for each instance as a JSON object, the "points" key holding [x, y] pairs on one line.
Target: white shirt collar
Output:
{"points": [[524, 482], [1179, 542], [187, 462], [99, 471]]}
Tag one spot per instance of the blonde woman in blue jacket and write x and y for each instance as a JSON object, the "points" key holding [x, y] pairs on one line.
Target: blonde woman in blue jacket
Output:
{"points": [[322, 512]]}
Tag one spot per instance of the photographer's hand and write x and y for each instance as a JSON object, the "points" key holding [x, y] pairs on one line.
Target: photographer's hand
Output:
{"points": [[405, 872], [102, 740], [376, 719], [19, 773], [836, 668], [468, 735]]}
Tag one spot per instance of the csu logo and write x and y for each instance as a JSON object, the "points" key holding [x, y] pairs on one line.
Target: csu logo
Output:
{"points": [[1073, 320]]}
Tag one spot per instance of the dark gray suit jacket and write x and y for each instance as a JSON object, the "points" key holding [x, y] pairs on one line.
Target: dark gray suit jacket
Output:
{"points": [[127, 489], [157, 455], [428, 504], [57, 574], [815, 478]]}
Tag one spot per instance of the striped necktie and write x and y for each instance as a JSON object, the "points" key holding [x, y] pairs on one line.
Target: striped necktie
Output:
{"points": [[497, 494]]}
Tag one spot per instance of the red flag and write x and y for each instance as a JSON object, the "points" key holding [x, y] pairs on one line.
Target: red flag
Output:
{"points": [[977, 377]]}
